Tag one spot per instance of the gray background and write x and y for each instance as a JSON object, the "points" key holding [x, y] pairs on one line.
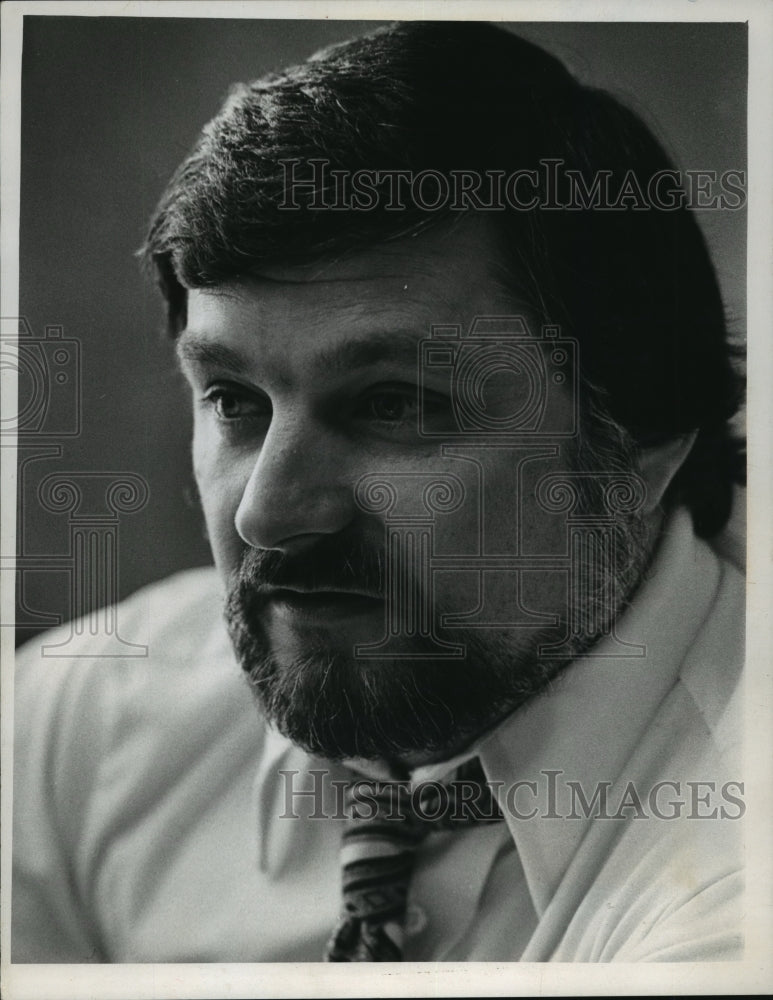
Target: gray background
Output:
{"points": [[110, 107]]}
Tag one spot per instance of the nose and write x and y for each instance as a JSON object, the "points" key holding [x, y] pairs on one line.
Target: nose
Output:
{"points": [[296, 489]]}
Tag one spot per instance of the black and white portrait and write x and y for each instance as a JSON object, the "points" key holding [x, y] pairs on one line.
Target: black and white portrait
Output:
{"points": [[376, 506]]}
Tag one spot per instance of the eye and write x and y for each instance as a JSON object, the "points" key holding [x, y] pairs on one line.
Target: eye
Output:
{"points": [[232, 403], [405, 410], [392, 405]]}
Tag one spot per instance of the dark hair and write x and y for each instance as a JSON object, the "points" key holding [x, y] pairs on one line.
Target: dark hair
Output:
{"points": [[635, 287]]}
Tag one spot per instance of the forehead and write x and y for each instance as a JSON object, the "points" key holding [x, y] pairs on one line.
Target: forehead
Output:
{"points": [[449, 274]]}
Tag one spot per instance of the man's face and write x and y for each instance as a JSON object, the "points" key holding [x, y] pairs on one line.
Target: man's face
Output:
{"points": [[306, 399]]}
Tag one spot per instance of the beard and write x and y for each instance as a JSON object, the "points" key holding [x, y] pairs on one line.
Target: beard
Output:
{"points": [[340, 705], [418, 706]]}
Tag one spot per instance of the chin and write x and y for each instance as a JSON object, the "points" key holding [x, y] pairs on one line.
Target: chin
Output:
{"points": [[336, 705]]}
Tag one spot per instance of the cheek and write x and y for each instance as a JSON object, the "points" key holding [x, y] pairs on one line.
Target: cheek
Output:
{"points": [[220, 483], [500, 516]]}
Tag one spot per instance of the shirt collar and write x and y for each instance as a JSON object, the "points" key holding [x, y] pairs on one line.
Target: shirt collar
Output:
{"points": [[585, 729]]}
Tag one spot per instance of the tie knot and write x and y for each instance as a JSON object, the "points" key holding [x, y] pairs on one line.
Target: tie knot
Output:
{"points": [[462, 798]]}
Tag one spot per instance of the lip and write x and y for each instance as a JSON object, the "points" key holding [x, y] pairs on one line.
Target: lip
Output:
{"points": [[322, 606]]}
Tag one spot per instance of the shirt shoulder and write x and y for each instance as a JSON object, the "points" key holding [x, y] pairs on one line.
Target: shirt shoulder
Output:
{"points": [[103, 740], [71, 685], [79, 689], [180, 608]]}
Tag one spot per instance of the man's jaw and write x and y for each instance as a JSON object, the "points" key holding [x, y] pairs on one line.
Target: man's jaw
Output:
{"points": [[301, 663]]}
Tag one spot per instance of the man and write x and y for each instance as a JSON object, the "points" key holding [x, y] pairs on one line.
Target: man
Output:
{"points": [[461, 388]]}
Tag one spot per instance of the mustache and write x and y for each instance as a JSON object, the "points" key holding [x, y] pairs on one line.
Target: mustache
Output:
{"points": [[341, 562]]}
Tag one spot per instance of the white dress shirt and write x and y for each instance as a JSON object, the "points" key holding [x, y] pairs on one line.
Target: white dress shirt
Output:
{"points": [[153, 820]]}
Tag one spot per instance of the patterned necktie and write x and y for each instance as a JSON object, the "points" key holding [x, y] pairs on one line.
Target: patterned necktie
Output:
{"points": [[388, 821]]}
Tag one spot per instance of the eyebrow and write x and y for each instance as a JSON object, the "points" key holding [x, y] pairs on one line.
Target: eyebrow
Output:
{"points": [[198, 351], [398, 346], [401, 346]]}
